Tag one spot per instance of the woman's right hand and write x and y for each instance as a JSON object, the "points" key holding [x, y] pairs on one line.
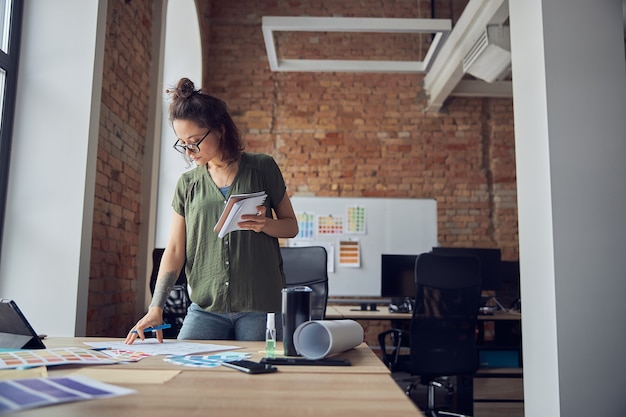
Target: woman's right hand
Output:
{"points": [[153, 318]]}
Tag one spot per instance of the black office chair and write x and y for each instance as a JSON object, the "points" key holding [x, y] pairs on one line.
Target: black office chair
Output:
{"points": [[178, 301], [442, 337], [306, 265]]}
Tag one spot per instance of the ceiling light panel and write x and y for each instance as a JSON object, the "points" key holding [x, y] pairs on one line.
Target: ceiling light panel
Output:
{"points": [[438, 28]]}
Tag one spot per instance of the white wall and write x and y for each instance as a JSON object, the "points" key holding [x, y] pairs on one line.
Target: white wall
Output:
{"points": [[51, 183], [182, 58], [569, 89], [47, 232]]}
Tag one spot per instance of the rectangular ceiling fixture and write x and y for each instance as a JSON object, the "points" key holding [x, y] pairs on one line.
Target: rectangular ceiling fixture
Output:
{"points": [[490, 56], [439, 27]]}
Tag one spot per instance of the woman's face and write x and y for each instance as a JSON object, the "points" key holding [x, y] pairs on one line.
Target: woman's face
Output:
{"points": [[201, 143]]}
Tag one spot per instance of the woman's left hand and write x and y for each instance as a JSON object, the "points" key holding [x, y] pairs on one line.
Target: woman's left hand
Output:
{"points": [[254, 222]]}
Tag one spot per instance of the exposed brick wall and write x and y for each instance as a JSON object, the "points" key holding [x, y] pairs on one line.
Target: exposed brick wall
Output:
{"points": [[123, 124], [365, 134], [333, 134]]}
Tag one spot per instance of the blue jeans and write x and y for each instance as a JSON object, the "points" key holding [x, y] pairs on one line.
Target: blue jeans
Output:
{"points": [[202, 325]]}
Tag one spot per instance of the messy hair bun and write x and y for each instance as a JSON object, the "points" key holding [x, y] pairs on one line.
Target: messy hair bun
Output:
{"points": [[184, 89], [188, 103]]}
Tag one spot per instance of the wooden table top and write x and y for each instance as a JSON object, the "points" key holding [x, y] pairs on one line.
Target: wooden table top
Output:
{"points": [[363, 389]]}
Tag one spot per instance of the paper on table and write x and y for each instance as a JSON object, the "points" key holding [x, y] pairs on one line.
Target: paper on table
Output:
{"points": [[168, 347], [236, 206]]}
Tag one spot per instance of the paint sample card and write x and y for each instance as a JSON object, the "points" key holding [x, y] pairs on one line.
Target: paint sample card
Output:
{"points": [[20, 394], [48, 357], [206, 361], [349, 253], [355, 219], [306, 225], [330, 225]]}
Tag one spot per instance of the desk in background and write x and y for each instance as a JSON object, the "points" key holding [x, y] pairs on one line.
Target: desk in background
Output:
{"points": [[336, 312], [494, 391], [363, 389], [498, 331]]}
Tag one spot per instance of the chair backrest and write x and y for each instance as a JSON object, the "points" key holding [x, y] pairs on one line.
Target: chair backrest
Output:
{"points": [[306, 265], [443, 326], [178, 301]]}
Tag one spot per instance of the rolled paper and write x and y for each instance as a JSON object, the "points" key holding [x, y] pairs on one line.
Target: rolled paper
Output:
{"points": [[317, 339]]}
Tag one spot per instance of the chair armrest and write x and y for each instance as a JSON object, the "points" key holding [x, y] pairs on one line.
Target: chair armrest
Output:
{"points": [[390, 351]]}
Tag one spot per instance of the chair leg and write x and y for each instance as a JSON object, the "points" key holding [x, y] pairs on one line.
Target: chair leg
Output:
{"points": [[431, 395], [410, 388], [450, 413], [432, 411]]}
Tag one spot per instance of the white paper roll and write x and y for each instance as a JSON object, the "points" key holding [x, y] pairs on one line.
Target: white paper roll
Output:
{"points": [[317, 339]]}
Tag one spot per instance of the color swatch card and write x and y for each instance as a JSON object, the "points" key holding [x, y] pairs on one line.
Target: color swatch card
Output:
{"points": [[20, 394], [356, 221], [206, 361], [306, 225], [350, 253], [48, 357], [330, 225]]}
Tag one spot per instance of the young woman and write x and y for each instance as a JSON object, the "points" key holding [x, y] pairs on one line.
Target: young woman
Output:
{"points": [[235, 280]]}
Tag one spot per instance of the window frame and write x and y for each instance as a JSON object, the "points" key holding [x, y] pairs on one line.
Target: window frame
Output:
{"points": [[9, 63]]}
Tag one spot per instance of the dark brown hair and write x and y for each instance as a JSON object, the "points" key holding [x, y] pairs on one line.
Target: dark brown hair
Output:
{"points": [[206, 111]]}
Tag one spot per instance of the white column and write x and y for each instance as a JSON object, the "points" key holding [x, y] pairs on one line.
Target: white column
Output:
{"points": [[569, 89]]}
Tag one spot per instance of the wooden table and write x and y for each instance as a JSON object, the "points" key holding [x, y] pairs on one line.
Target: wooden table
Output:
{"points": [[363, 389]]}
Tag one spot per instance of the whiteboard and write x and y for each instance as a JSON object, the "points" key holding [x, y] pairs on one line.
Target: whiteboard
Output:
{"points": [[388, 226]]}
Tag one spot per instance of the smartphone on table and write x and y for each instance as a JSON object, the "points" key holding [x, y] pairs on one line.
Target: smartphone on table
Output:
{"points": [[250, 367]]}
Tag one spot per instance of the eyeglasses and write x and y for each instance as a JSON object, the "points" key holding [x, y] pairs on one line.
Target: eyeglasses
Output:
{"points": [[192, 147]]}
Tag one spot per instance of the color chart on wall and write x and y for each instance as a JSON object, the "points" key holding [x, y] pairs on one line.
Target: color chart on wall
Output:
{"points": [[330, 225], [361, 230], [349, 253], [306, 225], [356, 220]]}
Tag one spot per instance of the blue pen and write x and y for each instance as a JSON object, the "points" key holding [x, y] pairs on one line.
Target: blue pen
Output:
{"points": [[154, 329]]}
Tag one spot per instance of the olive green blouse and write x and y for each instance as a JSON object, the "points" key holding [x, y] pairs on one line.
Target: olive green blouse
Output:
{"points": [[242, 271]]}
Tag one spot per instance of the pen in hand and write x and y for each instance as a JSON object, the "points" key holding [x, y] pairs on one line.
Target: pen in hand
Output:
{"points": [[155, 328]]}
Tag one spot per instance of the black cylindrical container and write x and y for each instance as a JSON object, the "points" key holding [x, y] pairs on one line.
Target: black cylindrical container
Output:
{"points": [[296, 310]]}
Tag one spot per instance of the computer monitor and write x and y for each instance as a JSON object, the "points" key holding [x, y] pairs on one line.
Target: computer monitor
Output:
{"points": [[397, 277], [490, 263]]}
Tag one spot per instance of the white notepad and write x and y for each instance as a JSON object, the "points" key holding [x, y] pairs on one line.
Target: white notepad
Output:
{"points": [[236, 206]]}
